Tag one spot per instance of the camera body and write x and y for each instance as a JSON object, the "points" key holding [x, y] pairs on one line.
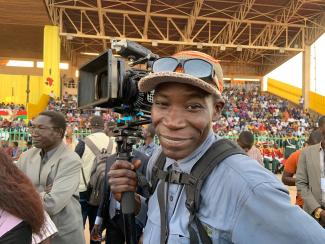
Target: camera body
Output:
{"points": [[110, 82]]}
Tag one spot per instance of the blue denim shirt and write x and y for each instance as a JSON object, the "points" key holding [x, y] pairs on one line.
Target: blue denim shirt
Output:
{"points": [[241, 203], [148, 149]]}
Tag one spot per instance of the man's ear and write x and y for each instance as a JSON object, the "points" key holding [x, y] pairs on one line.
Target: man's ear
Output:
{"points": [[217, 108], [61, 132]]}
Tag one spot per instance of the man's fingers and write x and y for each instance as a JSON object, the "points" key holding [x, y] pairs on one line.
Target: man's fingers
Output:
{"points": [[119, 189], [117, 173], [122, 164], [122, 181]]}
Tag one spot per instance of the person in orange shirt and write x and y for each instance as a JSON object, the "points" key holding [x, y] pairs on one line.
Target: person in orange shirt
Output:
{"points": [[290, 166]]}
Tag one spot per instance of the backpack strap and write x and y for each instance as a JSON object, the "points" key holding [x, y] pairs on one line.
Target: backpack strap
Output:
{"points": [[156, 171], [193, 182], [219, 151], [92, 146]]}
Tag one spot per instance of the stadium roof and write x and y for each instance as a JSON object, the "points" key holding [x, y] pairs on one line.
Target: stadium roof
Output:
{"points": [[250, 37]]}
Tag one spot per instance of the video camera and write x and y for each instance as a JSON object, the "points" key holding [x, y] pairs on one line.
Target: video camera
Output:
{"points": [[110, 82]]}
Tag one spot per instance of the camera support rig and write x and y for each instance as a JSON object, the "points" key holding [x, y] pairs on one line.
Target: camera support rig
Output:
{"points": [[127, 131], [105, 82]]}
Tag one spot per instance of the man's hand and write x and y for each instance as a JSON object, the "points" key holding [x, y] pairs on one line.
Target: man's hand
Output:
{"points": [[122, 177], [322, 218], [96, 234]]}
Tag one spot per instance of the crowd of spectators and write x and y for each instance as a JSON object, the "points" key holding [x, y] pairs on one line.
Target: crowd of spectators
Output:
{"points": [[78, 119], [263, 114], [12, 116]]}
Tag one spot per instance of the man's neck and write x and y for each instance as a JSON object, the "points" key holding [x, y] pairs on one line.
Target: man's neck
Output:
{"points": [[45, 150]]}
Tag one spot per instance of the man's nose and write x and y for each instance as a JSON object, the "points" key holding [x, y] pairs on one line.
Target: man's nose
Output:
{"points": [[174, 119]]}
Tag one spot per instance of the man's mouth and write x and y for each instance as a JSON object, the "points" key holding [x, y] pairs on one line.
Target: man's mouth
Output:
{"points": [[36, 139], [172, 141]]}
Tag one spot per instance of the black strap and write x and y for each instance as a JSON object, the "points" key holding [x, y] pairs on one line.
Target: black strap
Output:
{"points": [[162, 208], [219, 151], [159, 165], [193, 182]]}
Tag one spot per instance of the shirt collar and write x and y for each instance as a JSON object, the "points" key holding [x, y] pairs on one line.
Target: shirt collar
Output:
{"points": [[186, 164], [47, 155]]}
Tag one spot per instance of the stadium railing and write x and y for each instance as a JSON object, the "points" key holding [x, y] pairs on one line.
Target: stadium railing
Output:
{"points": [[270, 140], [22, 134]]}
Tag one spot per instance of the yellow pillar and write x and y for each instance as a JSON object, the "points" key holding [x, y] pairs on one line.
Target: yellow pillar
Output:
{"points": [[306, 76], [51, 59]]}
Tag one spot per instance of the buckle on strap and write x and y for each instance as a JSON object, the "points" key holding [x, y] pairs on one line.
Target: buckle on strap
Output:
{"points": [[174, 177]]}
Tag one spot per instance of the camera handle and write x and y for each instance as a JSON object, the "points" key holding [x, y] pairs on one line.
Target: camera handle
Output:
{"points": [[124, 152]]}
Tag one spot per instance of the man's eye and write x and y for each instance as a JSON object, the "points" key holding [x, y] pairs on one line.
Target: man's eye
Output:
{"points": [[161, 103], [194, 107]]}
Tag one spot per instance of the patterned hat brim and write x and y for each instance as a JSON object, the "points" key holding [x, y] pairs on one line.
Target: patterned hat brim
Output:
{"points": [[149, 82]]}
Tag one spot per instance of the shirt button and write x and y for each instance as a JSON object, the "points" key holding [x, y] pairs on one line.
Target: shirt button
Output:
{"points": [[171, 198]]}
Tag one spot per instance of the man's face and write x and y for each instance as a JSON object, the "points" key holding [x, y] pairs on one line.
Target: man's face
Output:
{"points": [[182, 116], [44, 133]]}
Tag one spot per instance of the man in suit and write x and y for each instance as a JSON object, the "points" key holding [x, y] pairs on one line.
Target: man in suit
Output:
{"points": [[55, 172], [310, 178]]}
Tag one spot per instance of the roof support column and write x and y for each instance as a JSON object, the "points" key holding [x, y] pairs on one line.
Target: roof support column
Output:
{"points": [[306, 75], [51, 59]]}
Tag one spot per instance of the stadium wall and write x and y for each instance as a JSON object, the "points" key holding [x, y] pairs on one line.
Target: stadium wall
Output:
{"points": [[317, 102], [293, 94], [13, 90], [284, 90]]}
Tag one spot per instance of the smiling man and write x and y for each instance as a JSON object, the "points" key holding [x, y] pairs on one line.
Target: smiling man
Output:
{"points": [[237, 202], [54, 171]]}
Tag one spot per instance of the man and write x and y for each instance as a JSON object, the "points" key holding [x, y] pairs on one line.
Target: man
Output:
{"points": [[310, 178], [246, 142], [290, 144], [241, 202], [109, 215], [149, 145], [15, 151], [290, 166], [55, 171], [101, 141]]}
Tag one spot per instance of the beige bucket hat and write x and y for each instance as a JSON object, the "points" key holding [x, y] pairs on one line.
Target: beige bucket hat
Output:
{"points": [[149, 82]]}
